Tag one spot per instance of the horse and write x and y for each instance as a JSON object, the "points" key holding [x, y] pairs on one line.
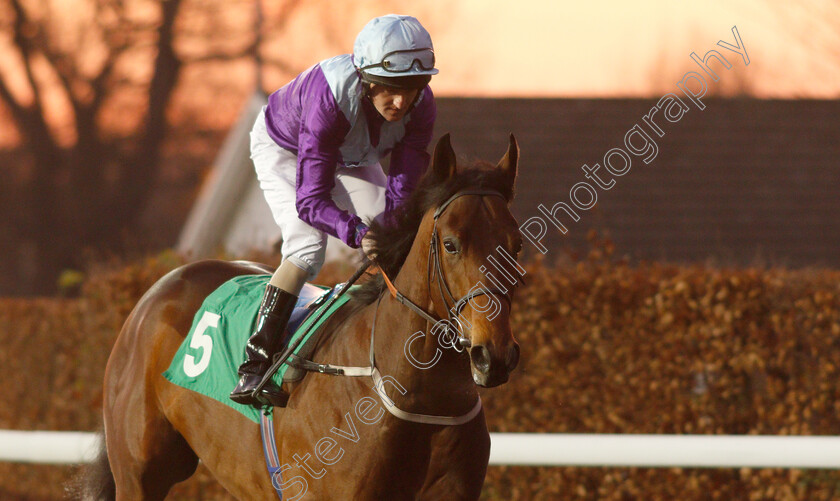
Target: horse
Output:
{"points": [[334, 438]]}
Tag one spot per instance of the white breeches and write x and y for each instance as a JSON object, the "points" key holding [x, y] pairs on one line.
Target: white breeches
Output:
{"points": [[359, 190]]}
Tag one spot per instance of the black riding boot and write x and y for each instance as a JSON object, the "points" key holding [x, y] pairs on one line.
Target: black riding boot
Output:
{"points": [[264, 343]]}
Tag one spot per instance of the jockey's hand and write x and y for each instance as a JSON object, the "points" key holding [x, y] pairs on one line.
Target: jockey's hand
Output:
{"points": [[367, 246]]}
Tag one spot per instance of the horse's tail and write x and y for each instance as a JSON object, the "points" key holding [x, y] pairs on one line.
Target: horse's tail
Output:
{"points": [[96, 481]]}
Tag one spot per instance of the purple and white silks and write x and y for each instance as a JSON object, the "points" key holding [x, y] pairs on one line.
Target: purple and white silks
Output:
{"points": [[323, 117]]}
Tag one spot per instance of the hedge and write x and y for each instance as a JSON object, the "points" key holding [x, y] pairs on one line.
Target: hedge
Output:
{"points": [[607, 347]]}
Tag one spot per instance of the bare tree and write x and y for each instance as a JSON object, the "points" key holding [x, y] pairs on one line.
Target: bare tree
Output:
{"points": [[88, 89], [86, 183]]}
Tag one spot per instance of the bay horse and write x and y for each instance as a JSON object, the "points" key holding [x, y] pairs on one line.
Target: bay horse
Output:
{"points": [[334, 438]]}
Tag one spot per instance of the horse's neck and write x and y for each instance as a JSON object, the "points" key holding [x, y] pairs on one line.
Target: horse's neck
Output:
{"points": [[444, 387], [438, 380]]}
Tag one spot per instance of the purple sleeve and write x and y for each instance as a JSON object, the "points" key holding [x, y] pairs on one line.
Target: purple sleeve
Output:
{"points": [[322, 130], [409, 158]]}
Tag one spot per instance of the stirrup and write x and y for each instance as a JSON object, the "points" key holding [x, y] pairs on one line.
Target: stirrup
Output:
{"points": [[276, 398], [271, 394]]}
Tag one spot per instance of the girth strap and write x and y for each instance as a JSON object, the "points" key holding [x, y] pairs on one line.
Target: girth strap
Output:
{"points": [[272, 459]]}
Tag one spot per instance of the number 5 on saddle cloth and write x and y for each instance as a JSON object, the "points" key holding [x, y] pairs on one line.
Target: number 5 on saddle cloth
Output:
{"points": [[207, 360]]}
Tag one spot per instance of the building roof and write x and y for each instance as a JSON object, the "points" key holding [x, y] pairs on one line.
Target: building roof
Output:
{"points": [[742, 182]]}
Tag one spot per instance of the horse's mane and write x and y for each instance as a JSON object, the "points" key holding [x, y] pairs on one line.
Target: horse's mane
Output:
{"points": [[393, 242]]}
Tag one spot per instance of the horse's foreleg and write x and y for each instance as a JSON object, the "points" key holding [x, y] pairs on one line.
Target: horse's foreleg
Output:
{"points": [[458, 462], [147, 462], [147, 455]]}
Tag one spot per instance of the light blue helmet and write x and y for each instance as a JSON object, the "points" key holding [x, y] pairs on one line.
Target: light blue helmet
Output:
{"points": [[396, 51]]}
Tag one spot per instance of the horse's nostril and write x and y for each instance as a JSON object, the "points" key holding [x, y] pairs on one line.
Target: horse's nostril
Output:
{"points": [[512, 357], [480, 356]]}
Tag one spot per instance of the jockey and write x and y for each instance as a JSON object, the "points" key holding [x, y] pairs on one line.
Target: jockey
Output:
{"points": [[316, 148]]}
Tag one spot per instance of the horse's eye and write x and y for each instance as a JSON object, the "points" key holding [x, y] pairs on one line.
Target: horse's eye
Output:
{"points": [[450, 246]]}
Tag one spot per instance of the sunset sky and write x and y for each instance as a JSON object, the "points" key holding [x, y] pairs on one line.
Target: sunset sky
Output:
{"points": [[610, 48], [493, 48]]}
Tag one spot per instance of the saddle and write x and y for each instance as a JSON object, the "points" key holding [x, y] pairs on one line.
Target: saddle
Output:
{"points": [[310, 299], [210, 354]]}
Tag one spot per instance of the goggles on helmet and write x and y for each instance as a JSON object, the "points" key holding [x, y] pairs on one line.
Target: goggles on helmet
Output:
{"points": [[400, 61]]}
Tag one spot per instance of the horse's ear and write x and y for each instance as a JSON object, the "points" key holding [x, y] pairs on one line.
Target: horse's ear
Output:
{"points": [[443, 160], [508, 164]]}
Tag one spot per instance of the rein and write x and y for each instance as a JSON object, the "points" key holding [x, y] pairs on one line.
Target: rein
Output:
{"points": [[434, 269], [452, 313]]}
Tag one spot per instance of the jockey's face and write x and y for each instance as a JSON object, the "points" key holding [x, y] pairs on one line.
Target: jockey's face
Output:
{"points": [[391, 102]]}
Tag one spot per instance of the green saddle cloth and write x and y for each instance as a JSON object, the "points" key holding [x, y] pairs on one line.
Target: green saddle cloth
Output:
{"points": [[208, 359]]}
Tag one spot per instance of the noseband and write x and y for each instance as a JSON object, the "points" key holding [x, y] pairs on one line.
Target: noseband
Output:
{"points": [[434, 269], [459, 342]]}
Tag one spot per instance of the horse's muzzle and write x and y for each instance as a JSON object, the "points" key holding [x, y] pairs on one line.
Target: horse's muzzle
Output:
{"points": [[490, 370]]}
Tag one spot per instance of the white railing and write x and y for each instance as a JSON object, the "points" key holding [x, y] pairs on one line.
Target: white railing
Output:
{"points": [[536, 449], [655, 451], [51, 447]]}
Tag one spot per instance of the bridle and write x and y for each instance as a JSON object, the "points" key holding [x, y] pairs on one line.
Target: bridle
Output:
{"points": [[434, 269], [433, 266]]}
